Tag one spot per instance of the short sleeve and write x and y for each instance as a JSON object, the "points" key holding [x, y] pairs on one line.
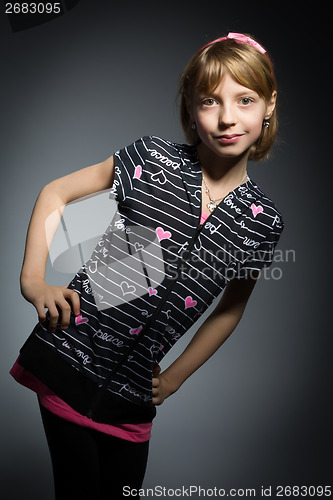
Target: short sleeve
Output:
{"points": [[129, 163], [263, 256]]}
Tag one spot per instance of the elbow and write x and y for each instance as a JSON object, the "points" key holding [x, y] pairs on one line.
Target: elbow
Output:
{"points": [[229, 315], [52, 194]]}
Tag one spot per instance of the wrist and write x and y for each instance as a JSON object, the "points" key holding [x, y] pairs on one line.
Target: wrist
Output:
{"points": [[26, 278], [173, 382]]}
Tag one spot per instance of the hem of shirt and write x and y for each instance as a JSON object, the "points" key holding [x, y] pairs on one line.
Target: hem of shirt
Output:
{"points": [[56, 405], [77, 390]]}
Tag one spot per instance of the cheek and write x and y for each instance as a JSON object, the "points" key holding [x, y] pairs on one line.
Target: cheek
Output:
{"points": [[204, 122], [201, 129], [255, 127]]}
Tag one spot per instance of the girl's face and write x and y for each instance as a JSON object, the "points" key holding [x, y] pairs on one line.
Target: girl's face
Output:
{"points": [[229, 120]]}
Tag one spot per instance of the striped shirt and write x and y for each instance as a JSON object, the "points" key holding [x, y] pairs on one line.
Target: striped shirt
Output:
{"points": [[153, 273]]}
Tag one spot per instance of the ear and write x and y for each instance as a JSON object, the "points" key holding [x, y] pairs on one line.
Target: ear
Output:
{"points": [[271, 105]]}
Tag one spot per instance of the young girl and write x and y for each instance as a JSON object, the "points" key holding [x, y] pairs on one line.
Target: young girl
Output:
{"points": [[190, 223]]}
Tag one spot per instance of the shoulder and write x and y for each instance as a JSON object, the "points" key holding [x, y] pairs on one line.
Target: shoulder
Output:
{"points": [[163, 149], [163, 152], [156, 146]]}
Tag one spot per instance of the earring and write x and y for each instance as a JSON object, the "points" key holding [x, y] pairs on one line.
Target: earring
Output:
{"points": [[193, 126], [265, 123]]}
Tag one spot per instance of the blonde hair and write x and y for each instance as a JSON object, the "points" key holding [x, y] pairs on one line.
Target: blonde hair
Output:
{"points": [[247, 65]]}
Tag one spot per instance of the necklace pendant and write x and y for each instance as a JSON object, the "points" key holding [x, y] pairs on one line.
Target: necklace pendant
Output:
{"points": [[211, 206]]}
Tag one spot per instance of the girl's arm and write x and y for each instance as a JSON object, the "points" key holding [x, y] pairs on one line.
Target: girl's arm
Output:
{"points": [[43, 225], [209, 337]]}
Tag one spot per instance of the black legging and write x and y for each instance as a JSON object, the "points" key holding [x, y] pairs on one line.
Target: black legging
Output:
{"points": [[90, 465]]}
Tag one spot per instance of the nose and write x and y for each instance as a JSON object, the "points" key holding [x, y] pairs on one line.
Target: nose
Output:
{"points": [[227, 115]]}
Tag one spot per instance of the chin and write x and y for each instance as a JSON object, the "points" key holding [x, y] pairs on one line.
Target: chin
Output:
{"points": [[230, 152]]}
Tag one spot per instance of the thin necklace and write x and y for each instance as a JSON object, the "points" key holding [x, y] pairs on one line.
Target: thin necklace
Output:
{"points": [[212, 201]]}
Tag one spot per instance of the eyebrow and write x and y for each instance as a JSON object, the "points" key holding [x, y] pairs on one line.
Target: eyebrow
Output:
{"points": [[247, 92], [237, 94]]}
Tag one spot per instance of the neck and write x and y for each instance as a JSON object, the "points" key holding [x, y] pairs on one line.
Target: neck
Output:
{"points": [[222, 169], [220, 175]]}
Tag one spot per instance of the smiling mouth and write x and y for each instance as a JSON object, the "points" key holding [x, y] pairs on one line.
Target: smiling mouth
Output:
{"points": [[229, 139], [228, 136]]}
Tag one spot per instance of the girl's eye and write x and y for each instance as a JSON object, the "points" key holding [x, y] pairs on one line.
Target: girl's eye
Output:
{"points": [[245, 101], [209, 101]]}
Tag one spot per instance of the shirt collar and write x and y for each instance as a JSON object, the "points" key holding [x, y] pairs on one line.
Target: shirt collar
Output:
{"points": [[236, 202], [240, 199]]}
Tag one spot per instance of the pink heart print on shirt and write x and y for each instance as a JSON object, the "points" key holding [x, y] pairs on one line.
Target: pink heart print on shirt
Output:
{"points": [[137, 172], [135, 331], [189, 302], [256, 209], [80, 320], [162, 235], [152, 291]]}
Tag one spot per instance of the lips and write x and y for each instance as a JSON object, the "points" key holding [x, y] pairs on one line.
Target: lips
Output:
{"points": [[229, 138]]}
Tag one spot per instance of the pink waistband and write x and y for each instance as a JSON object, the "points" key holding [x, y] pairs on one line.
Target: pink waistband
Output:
{"points": [[131, 432]]}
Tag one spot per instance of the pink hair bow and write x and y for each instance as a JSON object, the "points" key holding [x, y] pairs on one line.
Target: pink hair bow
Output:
{"points": [[239, 37]]}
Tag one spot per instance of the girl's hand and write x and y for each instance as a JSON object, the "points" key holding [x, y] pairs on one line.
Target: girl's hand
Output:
{"points": [[161, 386], [53, 298]]}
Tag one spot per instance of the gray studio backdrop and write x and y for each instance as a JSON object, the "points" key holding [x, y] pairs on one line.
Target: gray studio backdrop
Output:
{"points": [[81, 86]]}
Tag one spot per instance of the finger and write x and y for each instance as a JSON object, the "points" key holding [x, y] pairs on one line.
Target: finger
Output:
{"points": [[156, 382], [40, 311], [54, 316], [75, 300], [155, 398], [65, 314], [157, 401], [155, 391]]}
